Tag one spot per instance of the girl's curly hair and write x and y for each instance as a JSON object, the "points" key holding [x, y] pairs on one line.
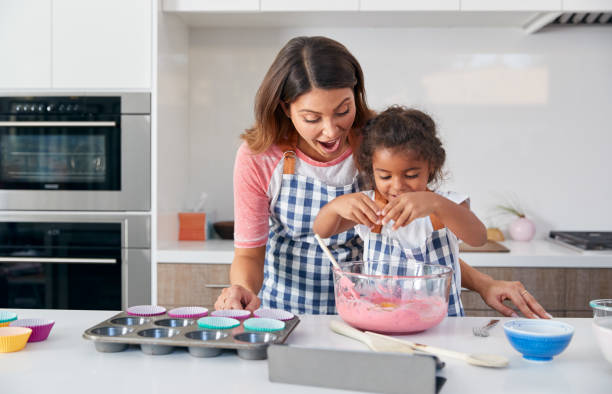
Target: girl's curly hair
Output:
{"points": [[401, 129]]}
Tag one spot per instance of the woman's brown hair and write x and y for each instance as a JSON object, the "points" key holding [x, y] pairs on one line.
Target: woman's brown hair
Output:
{"points": [[304, 63]]}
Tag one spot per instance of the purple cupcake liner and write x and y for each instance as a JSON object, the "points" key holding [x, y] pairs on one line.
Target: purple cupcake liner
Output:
{"points": [[41, 328], [239, 314], [188, 312], [277, 314], [146, 310]]}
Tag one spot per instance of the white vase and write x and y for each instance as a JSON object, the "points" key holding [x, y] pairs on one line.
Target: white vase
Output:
{"points": [[522, 229]]}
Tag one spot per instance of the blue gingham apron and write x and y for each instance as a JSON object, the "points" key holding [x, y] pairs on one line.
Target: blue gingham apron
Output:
{"points": [[297, 274], [441, 247]]}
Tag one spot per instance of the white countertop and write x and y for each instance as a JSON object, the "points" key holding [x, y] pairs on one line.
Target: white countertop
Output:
{"points": [[537, 253], [66, 362]]}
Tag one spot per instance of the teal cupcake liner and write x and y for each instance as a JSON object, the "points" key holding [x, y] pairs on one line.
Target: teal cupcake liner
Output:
{"points": [[217, 323], [7, 316], [263, 324]]}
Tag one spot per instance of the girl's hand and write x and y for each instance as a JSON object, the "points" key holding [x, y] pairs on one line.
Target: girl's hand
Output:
{"points": [[407, 207], [357, 208], [237, 297]]}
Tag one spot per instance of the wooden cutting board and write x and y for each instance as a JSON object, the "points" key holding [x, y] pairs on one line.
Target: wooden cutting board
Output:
{"points": [[489, 247]]}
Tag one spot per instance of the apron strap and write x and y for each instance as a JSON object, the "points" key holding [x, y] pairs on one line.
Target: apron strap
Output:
{"points": [[381, 202], [289, 146]]}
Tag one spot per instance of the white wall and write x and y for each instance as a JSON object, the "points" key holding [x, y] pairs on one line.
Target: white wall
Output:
{"points": [[173, 122], [522, 116]]}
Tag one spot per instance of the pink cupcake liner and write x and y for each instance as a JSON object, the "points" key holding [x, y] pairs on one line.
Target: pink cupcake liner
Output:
{"points": [[41, 328], [146, 310], [276, 314], [239, 314], [188, 312]]}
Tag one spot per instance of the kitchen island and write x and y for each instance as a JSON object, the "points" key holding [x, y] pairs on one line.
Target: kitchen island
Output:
{"points": [[67, 363]]}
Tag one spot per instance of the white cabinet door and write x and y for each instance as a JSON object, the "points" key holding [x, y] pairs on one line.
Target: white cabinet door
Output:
{"points": [[409, 5], [102, 44], [510, 5], [210, 5], [25, 44], [587, 5], [310, 5]]}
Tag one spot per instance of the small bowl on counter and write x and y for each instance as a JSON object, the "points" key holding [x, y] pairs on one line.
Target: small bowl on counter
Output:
{"points": [[224, 229], [602, 325], [538, 340]]}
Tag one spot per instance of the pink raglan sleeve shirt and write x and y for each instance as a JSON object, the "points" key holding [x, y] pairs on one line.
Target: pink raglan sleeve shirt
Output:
{"points": [[252, 176]]}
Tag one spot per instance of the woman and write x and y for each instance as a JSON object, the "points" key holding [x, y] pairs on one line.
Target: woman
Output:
{"points": [[297, 157]]}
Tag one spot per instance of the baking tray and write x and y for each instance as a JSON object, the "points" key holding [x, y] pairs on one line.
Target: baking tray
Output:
{"points": [[160, 334]]}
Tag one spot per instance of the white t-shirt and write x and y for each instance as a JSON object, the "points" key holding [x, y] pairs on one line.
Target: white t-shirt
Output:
{"points": [[416, 232]]}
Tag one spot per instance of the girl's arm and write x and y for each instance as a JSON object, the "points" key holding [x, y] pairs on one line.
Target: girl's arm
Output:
{"points": [[460, 220], [457, 217], [344, 212]]}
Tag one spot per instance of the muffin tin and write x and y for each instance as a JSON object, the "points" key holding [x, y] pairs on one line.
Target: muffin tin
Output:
{"points": [[161, 334]]}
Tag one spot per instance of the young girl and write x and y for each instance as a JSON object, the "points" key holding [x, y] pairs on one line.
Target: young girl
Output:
{"points": [[401, 218]]}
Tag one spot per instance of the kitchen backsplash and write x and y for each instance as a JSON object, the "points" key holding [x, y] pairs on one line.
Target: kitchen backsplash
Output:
{"points": [[522, 116]]}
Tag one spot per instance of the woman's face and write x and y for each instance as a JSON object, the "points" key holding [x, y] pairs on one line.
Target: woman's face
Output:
{"points": [[397, 172], [323, 119]]}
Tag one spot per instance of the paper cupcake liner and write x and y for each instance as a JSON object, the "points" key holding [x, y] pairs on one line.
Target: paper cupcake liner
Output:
{"points": [[6, 317], [146, 310], [239, 314], [217, 323], [40, 328], [277, 314], [188, 312], [13, 339], [263, 324]]}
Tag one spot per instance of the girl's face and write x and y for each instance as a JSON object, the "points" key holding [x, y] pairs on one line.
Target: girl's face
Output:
{"points": [[323, 119], [399, 171]]}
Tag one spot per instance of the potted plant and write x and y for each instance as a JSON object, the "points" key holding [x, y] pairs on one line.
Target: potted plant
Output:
{"points": [[521, 228]]}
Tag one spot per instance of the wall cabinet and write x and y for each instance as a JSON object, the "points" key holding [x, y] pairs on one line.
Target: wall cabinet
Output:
{"points": [[25, 44], [76, 44], [563, 292], [191, 284], [102, 44]]}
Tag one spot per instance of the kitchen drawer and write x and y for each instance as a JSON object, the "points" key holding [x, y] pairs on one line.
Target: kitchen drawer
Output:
{"points": [[191, 284], [547, 285], [584, 285], [563, 292]]}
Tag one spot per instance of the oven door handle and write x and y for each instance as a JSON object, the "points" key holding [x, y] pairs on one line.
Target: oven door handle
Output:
{"points": [[61, 260], [58, 124]]}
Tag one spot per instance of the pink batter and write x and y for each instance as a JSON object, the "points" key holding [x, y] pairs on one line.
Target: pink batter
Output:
{"points": [[390, 315]]}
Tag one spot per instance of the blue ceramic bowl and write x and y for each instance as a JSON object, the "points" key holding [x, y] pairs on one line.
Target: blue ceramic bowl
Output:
{"points": [[538, 340]]}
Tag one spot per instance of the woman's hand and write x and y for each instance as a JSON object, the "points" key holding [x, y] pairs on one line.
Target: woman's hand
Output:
{"points": [[407, 207], [237, 297], [496, 291]]}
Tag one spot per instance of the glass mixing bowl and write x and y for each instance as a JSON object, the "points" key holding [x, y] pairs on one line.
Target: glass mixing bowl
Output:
{"points": [[602, 325], [389, 304]]}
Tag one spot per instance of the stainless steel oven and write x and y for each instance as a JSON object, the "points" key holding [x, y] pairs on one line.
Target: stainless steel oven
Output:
{"points": [[86, 152], [75, 261]]}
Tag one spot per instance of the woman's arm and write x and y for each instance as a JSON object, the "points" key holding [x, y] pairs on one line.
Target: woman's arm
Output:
{"points": [[344, 212], [246, 278], [494, 292]]}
